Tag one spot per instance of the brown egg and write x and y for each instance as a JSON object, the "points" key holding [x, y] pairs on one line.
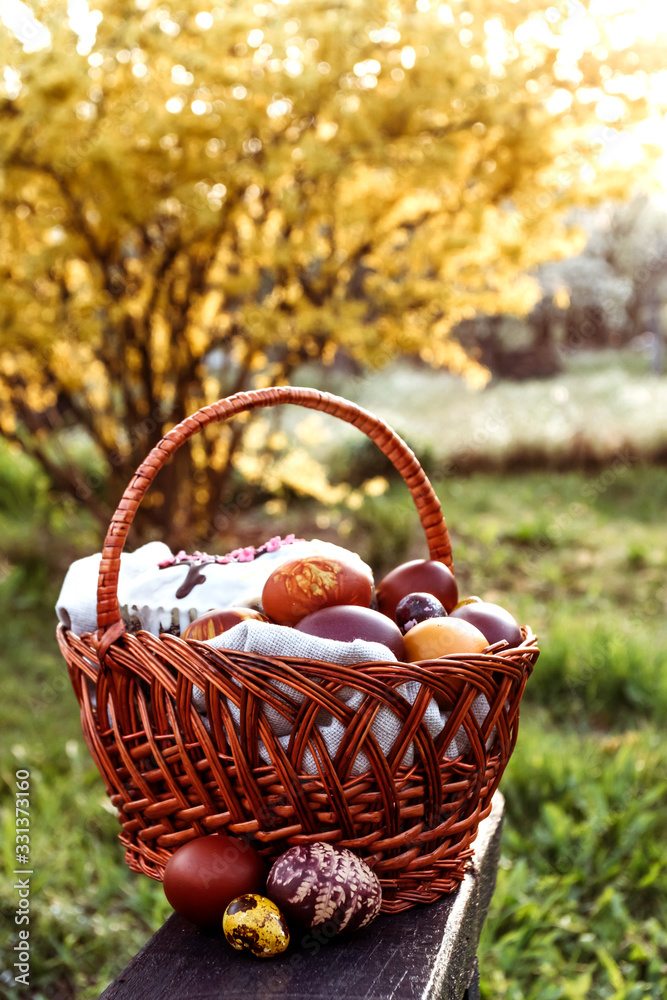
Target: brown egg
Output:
{"points": [[299, 587], [420, 575], [436, 637], [204, 875], [348, 622], [217, 622]]}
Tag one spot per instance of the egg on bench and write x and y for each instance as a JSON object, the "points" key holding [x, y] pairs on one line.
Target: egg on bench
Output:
{"points": [[204, 875], [254, 923]]}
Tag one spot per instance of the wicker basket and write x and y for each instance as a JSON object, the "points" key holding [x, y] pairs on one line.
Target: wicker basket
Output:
{"points": [[171, 779]]}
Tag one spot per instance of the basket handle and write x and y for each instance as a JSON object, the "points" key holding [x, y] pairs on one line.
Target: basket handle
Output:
{"points": [[109, 622]]}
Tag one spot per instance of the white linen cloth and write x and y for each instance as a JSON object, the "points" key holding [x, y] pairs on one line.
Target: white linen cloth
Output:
{"points": [[279, 641], [76, 606], [147, 593]]}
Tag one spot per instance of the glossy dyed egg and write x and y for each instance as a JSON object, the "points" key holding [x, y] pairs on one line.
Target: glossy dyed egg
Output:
{"points": [[441, 636], [321, 886], [348, 622], [254, 923], [420, 575], [417, 607], [299, 587], [492, 620], [204, 875], [216, 622]]}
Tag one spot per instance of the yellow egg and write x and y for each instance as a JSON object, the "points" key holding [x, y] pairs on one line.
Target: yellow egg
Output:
{"points": [[253, 923], [436, 637]]}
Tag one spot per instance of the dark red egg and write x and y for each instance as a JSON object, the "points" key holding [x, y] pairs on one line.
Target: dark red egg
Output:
{"points": [[216, 622], [420, 575], [203, 876], [492, 620], [299, 587], [348, 622]]}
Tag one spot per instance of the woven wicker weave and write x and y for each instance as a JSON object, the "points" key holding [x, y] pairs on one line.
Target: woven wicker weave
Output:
{"points": [[170, 779]]}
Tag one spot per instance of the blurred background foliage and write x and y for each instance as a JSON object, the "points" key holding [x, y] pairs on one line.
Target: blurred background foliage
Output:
{"points": [[451, 213], [195, 202]]}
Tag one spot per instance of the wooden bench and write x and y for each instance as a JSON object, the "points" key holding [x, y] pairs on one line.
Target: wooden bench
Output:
{"points": [[426, 953]]}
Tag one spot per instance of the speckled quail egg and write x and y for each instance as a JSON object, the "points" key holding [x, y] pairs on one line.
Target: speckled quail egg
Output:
{"points": [[253, 923]]}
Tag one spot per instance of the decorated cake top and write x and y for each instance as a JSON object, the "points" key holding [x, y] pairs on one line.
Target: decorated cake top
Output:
{"points": [[246, 554], [162, 592]]}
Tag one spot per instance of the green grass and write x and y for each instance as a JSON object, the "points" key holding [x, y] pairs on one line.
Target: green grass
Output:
{"points": [[580, 908]]}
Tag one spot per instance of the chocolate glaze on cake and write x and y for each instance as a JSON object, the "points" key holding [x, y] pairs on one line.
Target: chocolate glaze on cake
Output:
{"points": [[193, 577]]}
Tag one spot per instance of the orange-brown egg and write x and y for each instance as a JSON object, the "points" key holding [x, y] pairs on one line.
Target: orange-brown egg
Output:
{"points": [[299, 587], [216, 622], [436, 637]]}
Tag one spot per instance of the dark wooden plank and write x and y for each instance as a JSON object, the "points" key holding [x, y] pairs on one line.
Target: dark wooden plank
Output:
{"points": [[427, 953], [472, 993]]}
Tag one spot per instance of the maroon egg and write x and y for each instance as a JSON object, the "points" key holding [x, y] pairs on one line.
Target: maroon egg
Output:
{"points": [[422, 575], [203, 876], [216, 622], [325, 888], [299, 587], [492, 620], [415, 608], [348, 622]]}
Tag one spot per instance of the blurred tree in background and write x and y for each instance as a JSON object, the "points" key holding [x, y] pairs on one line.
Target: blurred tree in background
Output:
{"points": [[612, 294], [194, 202], [616, 285]]}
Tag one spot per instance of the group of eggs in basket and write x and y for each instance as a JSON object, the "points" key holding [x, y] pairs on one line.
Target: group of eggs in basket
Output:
{"points": [[416, 610]]}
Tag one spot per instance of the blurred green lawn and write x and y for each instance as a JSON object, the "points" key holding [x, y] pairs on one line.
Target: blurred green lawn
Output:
{"points": [[580, 908]]}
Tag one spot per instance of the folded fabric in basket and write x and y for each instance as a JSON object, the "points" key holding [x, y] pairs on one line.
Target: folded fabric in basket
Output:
{"points": [[279, 641], [76, 606]]}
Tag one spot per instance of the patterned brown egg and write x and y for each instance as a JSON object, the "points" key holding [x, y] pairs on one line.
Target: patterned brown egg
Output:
{"points": [[217, 622], [254, 923], [325, 887], [299, 587]]}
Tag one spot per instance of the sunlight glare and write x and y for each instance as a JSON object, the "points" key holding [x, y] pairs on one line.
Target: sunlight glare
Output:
{"points": [[23, 24], [83, 22], [644, 19]]}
